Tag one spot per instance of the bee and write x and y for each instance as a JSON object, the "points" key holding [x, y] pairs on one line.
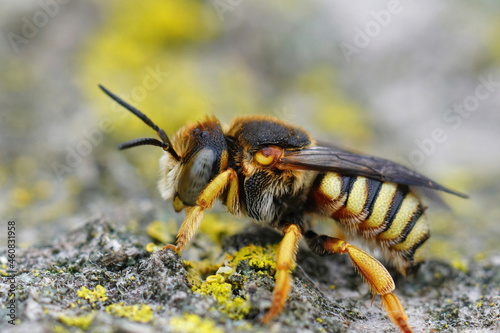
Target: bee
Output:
{"points": [[278, 175]]}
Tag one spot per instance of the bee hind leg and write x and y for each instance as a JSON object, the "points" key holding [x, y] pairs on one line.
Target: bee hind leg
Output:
{"points": [[371, 270], [284, 261]]}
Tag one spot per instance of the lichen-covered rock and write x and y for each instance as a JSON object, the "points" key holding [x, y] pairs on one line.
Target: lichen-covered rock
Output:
{"points": [[103, 279]]}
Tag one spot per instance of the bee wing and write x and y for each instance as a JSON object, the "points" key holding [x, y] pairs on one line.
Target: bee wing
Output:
{"points": [[332, 159]]}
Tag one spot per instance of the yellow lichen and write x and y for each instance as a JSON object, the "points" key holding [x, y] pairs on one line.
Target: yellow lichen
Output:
{"points": [[224, 270], [260, 258], [216, 228], [222, 292], [480, 256], [205, 267], [150, 247], [43, 189], [21, 197], [193, 277], [142, 313], [98, 294], [161, 231], [191, 323], [215, 279], [333, 111], [158, 39], [257, 256], [460, 265], [216, 285], [60, 329], [235, 307], [82, 322], [197, 270], [188, 264]]}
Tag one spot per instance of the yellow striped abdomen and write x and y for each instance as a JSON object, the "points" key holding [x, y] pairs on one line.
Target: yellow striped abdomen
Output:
{"points": [[388, 214]]}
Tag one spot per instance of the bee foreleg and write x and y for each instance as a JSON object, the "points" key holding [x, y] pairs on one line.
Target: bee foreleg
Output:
{"points": [[206, 199], [188, 229], [284, 262], [372, 271], [233, 196], [215, 188]]}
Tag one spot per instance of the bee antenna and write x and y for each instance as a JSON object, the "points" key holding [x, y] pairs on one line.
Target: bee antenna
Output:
{"points": [[142, 142], [165, 144]]}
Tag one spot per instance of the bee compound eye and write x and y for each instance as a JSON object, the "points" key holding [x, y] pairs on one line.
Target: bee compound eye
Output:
{"points": [[268, 156], [195, 175]]}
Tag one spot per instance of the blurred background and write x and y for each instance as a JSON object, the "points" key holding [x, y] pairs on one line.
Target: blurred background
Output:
{"points": [[414, 82]]}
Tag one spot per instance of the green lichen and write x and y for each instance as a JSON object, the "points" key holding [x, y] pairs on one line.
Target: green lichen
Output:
{"points": [[142, 313], [191, 323]]}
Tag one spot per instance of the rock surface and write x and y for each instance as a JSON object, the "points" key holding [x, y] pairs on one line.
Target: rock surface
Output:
{"points": [[102, 278]]}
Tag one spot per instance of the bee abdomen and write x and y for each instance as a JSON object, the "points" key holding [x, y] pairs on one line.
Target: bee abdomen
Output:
{"points": [[385, 213]]}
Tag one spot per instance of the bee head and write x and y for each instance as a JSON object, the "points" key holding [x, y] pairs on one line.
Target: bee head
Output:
{"points": [[203, 152], [192, 159]]}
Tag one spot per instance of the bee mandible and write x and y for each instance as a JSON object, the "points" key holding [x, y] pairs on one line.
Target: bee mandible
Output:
{"points": [[278, 175]]}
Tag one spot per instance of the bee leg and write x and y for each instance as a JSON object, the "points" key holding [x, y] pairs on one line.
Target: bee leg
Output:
{"points": [[284, 261], [372, 271], [194, 215], [188, 229], [233, 195]]}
